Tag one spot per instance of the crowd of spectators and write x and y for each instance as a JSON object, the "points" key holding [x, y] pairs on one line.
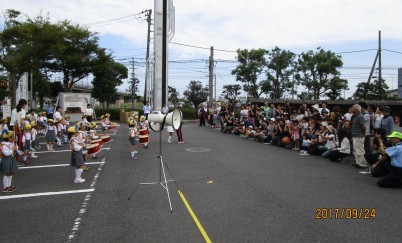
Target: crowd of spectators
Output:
{"points": [[340, 137]]}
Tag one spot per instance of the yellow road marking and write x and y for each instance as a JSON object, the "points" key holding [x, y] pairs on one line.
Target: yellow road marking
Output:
{"points": [[197, 222]]}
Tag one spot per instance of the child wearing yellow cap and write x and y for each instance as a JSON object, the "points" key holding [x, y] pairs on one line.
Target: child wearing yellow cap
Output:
{"points": [[51, 132], [8, 165]]}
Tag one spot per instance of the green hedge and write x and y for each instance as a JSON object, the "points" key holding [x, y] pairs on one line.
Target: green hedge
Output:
{"points": [[189, 113]]}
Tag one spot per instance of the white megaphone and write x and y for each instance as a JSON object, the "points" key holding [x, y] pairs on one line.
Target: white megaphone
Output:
{"points": [[157, 120]]}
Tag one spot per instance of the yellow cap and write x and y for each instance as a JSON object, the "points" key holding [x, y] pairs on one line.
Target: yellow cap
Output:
{"points": [[93, 124], [71, 129], [395, 135], [8, 134], [33, 123], [50, 120], [27, 126]]}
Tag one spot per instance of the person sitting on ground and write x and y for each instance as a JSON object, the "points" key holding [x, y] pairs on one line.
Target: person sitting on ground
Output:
{"points": [[237, 125], [392, 172], [228, 124], [263, 132], [280, 133], [330, 143], [272, 129], [340, 153], [305, 144]]}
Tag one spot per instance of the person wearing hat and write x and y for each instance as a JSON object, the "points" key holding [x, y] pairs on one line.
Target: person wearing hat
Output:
{"points": [[8, 165], [77, 143], [34, 134], [104, 125], [4, 127], [132, 137], [144, 124], [51, 132], [26, 144], [65, 124], [392, 171], [387, 122]]}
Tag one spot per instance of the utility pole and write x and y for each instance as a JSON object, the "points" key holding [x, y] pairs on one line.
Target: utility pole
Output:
{"points": [[379, 63], [211, 75], [133, 83], [149, 19], [215, 88]]}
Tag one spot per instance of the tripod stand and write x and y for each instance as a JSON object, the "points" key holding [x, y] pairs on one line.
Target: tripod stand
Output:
{"points": [[162, 175]]}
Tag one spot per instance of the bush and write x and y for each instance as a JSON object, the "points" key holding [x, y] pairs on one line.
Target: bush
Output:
{"points": [[189, 113]]}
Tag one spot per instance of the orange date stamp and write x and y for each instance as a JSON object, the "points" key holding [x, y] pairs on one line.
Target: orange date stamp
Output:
{"points": [[345, 213]]}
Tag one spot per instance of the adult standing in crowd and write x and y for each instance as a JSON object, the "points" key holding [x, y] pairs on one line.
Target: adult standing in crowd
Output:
{"points": [[387, 122], [367, 120], [32, 116], [202, 113], [49, 109], [89, 112], [324, 108], [358, 131], [17, 120], [222, 114], [165, 109], [147, 109], [266, 109], [57, 115], [392, 172]]}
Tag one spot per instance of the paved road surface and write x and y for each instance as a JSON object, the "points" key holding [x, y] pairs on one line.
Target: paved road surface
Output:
{"points": [[239, 190]]}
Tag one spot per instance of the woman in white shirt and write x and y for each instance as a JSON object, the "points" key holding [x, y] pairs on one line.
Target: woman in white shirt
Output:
{"points": [[378, 118], [339, 154]]}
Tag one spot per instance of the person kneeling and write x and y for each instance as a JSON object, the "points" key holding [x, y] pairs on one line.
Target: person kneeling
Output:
{"points": [[392, 172]]}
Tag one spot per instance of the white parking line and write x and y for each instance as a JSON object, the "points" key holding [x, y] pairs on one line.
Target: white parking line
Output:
{"points": [[46, 194], [60, 151], [60, 165]]}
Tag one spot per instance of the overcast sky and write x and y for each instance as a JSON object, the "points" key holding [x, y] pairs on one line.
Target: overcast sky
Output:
{"points": [[348, 27]]}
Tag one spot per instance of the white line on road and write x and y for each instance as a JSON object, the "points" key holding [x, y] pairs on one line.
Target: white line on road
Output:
{"points": [[78, 221], [46, 194], [60, 165], [59, 151]]}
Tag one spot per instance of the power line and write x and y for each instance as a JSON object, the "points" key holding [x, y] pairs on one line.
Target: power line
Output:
{"points": [[200, 47], [392, 51]]}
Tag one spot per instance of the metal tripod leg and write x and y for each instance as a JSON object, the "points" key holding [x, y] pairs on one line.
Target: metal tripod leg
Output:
{"points": [[163, 183]]}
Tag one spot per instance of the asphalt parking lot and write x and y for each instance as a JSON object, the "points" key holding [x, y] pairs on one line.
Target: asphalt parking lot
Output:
{"points": [[238, 190]]}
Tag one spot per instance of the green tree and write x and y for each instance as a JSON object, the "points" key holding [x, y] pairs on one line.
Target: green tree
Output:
{"points": [[196, 93], [55, 89], [280, 69], [336, 86], [73, 53], [316, 70], [231, 92], [371, 91], [15, 49], [41, 87], [251, 64], [173, 94], [108, 74], [132, 89]]}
